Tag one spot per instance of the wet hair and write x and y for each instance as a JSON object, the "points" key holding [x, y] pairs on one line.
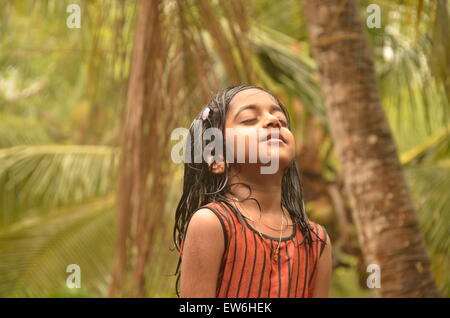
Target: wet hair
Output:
{"points": [[201, 186]]}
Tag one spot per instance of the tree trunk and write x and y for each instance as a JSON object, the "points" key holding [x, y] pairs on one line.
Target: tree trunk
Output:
{"points": [[382, 207], [143, 150], [159, 94]]}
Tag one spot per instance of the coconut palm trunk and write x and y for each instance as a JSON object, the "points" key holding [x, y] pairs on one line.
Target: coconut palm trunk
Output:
{"points": [[382, 207], [143, 152]]}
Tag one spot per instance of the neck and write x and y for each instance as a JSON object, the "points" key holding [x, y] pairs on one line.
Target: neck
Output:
{"points": [[265, 188]]}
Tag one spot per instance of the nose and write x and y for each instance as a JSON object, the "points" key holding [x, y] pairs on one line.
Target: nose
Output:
{"points": [[272, 121]]}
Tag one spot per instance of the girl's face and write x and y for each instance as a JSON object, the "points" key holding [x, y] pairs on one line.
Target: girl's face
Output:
{"points": [[253, 109]]}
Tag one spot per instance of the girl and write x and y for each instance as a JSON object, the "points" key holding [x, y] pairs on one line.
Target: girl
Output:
{"points": [[242, 233]]}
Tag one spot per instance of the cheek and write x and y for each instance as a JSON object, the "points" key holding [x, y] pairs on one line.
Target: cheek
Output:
{"points": [[290, 145], [290, 139], [242, 140]]}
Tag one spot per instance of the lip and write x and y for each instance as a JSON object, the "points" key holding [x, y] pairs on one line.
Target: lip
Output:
{"points": [[269, 137]]}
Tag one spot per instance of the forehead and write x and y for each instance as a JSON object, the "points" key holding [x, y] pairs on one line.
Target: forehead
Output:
{"points": [[251, 96]]}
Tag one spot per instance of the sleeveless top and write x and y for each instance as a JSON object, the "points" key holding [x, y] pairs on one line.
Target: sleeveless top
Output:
{"points": [[248, 268]]}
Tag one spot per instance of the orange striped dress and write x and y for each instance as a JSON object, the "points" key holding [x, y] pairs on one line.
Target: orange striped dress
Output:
{"points": [[248, 268]]}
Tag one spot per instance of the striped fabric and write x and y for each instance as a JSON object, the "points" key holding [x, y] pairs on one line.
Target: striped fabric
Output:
{"points": [[248, 268]]}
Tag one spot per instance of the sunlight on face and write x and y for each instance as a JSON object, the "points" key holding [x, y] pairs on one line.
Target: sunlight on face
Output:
{"points": [[256, 118]]}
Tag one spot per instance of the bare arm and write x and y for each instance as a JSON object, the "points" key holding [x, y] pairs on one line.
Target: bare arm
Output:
{"points": [[323, 278], [202, 254]]}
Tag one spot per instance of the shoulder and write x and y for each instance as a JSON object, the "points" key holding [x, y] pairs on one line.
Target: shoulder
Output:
{"points": [[204, 219], [210, 220], [319, 235], [203, 233], [319, 229], [222, 211], [203, 228]]}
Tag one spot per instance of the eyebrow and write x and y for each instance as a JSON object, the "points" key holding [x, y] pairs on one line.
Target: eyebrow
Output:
{"points": [[254, 107]]}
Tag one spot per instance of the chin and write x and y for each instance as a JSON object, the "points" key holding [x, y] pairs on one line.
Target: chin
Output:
{"points": [[285, 160], [285, 163]]}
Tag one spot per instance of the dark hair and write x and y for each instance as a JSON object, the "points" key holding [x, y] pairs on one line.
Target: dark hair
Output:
{"points": [[201, 186]]}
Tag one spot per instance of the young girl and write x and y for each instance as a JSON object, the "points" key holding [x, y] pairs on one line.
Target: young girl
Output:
{"points": [[242, 233]]}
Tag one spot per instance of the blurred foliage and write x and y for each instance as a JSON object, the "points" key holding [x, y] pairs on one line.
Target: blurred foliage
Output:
{"points": [[62, 93]]}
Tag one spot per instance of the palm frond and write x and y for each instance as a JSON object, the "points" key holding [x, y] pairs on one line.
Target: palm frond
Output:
{"points": [[431, 148], [429, 185], [34, 254], [36, 179], [16, 130], [287, 68], [410, 64]]}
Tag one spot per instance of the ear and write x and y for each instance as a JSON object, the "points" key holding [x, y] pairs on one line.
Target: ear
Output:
{"points": [[218, 167]]}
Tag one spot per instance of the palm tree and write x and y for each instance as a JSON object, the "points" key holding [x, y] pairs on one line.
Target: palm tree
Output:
{"points": [[57, 198], [382, 207], [58, 194], [141, 152]]}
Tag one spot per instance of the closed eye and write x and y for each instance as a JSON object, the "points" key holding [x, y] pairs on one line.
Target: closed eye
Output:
{"points": [[283, 122], [248, 121]]}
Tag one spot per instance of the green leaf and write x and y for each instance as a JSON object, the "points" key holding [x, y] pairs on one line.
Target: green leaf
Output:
{"points": [[36, 179], [34, 255]]}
